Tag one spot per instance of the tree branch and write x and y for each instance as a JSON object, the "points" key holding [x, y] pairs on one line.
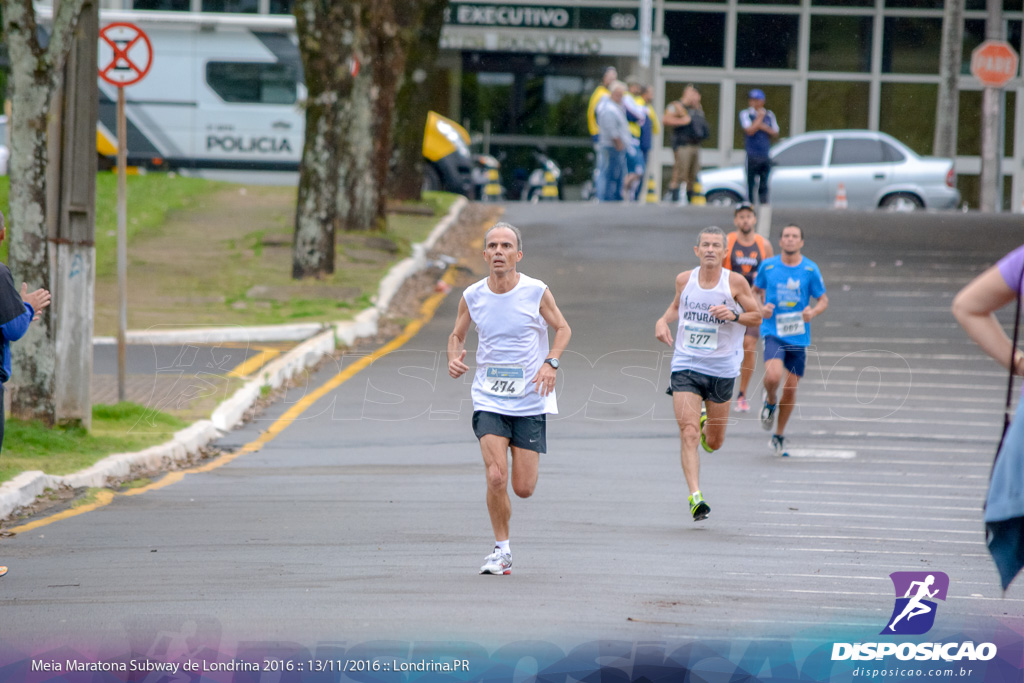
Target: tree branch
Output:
{"points": [[65, 22]]}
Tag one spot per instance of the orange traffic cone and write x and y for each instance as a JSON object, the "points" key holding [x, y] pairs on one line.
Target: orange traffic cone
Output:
{"points": [[840, 202]]}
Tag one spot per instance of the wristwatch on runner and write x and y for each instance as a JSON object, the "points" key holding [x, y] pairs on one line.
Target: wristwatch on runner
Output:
{"points": [[553, 362]]}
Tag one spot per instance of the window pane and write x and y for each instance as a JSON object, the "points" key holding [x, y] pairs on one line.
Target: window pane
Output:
{"points": [[776, 100], [769, 2], [843, 3], [849, 151], [164, 5], [837, 104], [709, 98], [767, 41], [890, 153], [1008, 5], [840, 43], [252, 6], [281, 6], [695, 38], [915, 4], [974, 33], [253, 82], [908, 114], [486, 97], [968, 140], [911, 45], [810, 153]]}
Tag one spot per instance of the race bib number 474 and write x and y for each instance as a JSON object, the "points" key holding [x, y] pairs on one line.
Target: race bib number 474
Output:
{"points": [[505, 381]]}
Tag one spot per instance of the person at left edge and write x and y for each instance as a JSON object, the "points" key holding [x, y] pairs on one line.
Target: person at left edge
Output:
{"points": [[713, 306], [514, 385], [16, 313]]}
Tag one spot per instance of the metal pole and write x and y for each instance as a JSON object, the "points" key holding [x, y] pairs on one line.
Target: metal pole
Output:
{"points": [[122, 245], [990, 118], [947, 109]]}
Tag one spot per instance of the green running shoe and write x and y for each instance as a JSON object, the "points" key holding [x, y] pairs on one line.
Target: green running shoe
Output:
{"points": [[698, 508], [703, 441]]}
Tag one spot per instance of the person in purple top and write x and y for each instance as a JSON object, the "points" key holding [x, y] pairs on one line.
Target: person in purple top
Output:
{"points": [[16, 313], [974, 308], [975, 305]]}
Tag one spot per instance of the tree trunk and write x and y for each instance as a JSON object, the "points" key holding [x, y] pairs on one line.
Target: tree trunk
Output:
{"points": [[387, 45], [329, 37], [357, 191], [35, 73], [413, 101]]}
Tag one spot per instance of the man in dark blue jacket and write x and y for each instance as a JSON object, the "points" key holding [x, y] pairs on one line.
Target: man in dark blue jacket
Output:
{"points": [[760, 127], [16, 313]]}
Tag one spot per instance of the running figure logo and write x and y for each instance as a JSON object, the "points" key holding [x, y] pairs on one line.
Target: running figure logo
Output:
{"points": [[918, 589]]}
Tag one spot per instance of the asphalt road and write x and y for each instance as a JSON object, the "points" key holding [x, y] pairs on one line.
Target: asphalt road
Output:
{"points": [[365, 519]]}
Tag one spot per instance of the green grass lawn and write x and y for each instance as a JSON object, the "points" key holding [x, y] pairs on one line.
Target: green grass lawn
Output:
{"points": [[150, 198], [120, 428], [203, 252]]}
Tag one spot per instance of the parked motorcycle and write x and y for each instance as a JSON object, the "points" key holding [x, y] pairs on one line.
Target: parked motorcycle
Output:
{"points": [[486, 176], [545, 181]]}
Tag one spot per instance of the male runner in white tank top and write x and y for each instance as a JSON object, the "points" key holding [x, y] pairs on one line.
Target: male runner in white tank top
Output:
{"points": [[712, 305], [514, 386]]}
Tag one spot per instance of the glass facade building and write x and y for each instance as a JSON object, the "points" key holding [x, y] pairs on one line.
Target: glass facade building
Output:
{"points": [[823, 64], [519, 73]]}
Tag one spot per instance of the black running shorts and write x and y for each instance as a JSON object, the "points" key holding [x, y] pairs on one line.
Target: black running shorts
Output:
{"points": [[528, 432], [714, 389]]}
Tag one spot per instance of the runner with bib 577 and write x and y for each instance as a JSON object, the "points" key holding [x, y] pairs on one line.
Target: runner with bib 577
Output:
{"points": [[712, 305]]}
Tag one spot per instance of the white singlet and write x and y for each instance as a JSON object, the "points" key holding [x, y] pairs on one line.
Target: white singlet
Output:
{"points": [[513, 345], [704, 343]]}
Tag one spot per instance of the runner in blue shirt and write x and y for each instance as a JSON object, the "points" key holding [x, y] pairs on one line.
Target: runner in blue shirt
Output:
{"points": [[789, 282]]}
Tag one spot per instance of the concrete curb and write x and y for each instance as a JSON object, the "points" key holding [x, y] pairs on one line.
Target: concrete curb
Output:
{"points": [[24, 488]]}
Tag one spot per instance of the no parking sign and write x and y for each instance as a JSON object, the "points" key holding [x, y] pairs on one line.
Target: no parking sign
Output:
{"points": [[125, 54]]}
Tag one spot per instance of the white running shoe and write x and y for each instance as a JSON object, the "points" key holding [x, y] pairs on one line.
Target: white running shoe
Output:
{"points": [[497, 563]]}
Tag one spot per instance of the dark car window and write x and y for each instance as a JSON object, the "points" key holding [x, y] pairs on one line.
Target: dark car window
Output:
{"points": [[807, 153], [847, 151], [891, 153]]}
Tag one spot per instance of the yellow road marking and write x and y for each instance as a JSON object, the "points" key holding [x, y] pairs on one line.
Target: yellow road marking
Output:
{"points": [[254, 363], [105, 497]]}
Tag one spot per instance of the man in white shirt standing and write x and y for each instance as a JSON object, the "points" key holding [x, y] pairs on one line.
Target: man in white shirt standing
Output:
{"points": [[612, 139], [514, 386]]}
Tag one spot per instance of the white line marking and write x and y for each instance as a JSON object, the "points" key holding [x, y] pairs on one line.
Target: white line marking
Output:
{"points": [[891, 420], [899, 518], [865, 593], [879, 539], [985, 450], [844, 503], [846, 551], [865, 484], [916, 385], [883, 355], [901, 435], [837, 576], [930, 341], [973, 532], [903, 370], [822, 453], [831, 471], [873, 495]]}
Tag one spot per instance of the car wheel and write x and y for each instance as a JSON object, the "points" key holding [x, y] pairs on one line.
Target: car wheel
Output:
{"points": [[431, 179], [722, 198], [902, 201]]}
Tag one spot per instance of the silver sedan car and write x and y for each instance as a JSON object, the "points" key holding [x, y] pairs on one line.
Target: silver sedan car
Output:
{"points": [[875, 170]]}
